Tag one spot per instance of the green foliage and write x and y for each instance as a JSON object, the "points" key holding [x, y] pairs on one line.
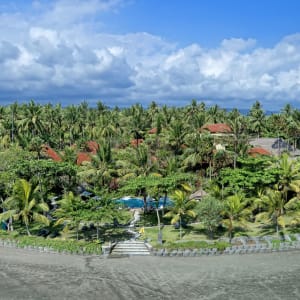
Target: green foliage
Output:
{"points": [[209, 213], [251, 175], [69, 246], [196, 245], [183, 208], [25, 204], [163, 184], [56, 177], [235, 210], [179, 152]]}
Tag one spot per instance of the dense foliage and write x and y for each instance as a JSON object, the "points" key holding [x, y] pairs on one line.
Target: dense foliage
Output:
{"points": [[146, 151]]}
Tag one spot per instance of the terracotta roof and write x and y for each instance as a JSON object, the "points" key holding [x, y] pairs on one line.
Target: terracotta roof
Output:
{"points": [[136, 142], [51, 153], [152, 131], [217, 128], [258, 151], [92, 146], [82, 156]]}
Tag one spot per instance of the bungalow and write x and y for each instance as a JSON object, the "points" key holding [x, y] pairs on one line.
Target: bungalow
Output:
{"points": [[256, 151], [217, 129], [275, 146]]}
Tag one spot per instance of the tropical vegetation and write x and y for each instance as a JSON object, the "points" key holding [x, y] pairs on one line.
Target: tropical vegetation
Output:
{"points": [[61, 167]]}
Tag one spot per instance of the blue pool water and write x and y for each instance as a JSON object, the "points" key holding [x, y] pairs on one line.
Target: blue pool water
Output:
{"points": [[139, 203]]}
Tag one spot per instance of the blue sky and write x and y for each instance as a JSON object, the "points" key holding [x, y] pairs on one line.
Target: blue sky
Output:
{"points": [[229, 53]]}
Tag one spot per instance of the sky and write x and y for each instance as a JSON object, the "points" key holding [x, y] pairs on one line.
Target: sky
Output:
{"points": [[121, 52]]}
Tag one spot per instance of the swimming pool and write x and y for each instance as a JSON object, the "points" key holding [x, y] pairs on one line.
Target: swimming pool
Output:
{"points": [[135, 202]]}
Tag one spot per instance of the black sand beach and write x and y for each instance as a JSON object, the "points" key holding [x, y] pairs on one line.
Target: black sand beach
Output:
{"points": [[32, 275]]}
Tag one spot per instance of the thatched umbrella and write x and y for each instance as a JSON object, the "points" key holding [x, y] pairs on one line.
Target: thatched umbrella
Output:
{"points": [[198, 195]]}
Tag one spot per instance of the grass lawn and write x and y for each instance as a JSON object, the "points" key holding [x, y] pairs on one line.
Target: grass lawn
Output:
{"points": [[197, 233]]}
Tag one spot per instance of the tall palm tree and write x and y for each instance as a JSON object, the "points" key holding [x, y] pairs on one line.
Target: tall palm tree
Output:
{"points": [[183, 206], [289, 173], [25, 205], [257, 118], [273, 202], [199, 151], [234, 210], [32, 124], [70, 211], [71, 120], [99, 170], [177, 132]]}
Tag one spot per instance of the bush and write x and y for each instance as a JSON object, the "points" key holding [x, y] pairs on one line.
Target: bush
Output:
{"points": [[70, 246], [196, 245]]}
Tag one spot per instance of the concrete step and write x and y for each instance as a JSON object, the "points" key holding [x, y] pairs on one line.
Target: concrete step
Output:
{"points": [[130, 248]]}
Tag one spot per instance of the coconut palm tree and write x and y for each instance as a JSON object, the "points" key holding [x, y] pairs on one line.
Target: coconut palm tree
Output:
{"points": [[273, 202], [183, 206], [101, 167], [25, 204], [177, 132], [70, 211], [289, 174], [257, 118], [234, 210], [31, 123]]}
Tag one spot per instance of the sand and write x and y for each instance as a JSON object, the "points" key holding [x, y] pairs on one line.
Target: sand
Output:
{"points": [[32, 275]]}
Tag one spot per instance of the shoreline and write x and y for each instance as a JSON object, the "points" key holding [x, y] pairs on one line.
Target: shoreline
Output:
{"points": [[33, 275]]}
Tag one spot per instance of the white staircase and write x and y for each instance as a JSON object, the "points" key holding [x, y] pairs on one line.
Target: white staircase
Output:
{"points": [[130, 248]]}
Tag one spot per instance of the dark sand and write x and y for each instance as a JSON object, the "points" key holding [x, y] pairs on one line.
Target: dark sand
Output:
{"points": [[32, 275]]}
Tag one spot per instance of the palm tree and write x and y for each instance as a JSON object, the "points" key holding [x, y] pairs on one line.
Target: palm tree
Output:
{"points": [[71, 118], [25, 205], [100, 169], [257, 118], [199, 151], [177, 132], [234, 210], [274, 204], [32, 124], [289, 174], [70, 211], [237, 125], [215, 114], [183, 206]]}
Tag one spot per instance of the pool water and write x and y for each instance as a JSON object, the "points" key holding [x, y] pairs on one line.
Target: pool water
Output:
{"points": [[139, 203]]}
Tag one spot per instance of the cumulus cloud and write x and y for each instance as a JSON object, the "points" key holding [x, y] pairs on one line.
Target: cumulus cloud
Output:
{"points": [[59, 51]]}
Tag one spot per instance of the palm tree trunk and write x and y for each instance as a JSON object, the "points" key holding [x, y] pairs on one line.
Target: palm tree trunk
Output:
{"points": [[158, 225], [27, 229], [77, 232], [97, 228], [230, 230], [277, 227], [180, 228], [10, 224], [164, 204]]}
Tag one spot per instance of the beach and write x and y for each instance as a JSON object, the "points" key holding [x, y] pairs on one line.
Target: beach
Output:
{"points": [[32, 275]]}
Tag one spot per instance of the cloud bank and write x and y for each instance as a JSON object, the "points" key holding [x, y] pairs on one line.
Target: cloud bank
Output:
{"points": [[60, 52]]}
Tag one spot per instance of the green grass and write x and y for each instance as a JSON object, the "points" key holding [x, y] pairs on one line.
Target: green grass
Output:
{"points": [[196, 233]]}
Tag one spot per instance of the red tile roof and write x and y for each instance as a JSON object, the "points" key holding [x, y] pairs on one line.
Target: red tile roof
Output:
{"points": [[258, 151], [136, 142], [92, 146], [83, 156], [217, 128], [152, 131], [51, 153]]}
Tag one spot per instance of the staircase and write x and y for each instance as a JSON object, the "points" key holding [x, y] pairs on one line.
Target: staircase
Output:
{"points": [[130, 248]]}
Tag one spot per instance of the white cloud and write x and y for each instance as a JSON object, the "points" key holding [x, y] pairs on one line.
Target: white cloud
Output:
{"points": [[59, 51]]}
